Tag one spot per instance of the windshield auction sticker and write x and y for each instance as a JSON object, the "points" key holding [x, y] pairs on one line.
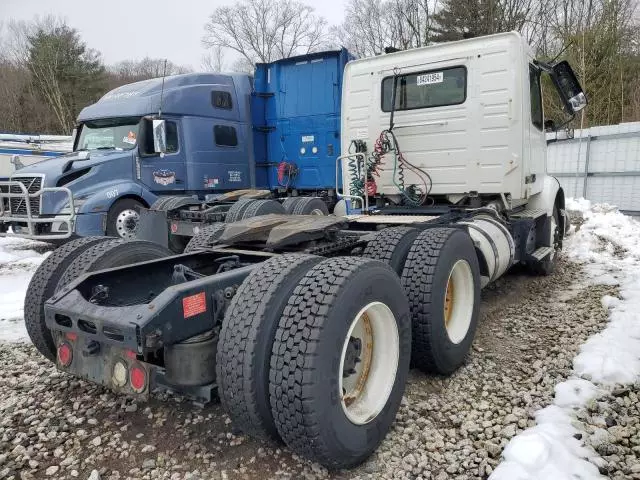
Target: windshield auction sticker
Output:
{"points": [[429, 78]]}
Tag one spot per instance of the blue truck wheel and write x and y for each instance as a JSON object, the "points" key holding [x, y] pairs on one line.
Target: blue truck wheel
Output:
{"points": [[122, 219]]}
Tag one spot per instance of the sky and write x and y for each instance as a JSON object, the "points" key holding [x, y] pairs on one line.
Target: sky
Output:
{"points": [[125, 29]]}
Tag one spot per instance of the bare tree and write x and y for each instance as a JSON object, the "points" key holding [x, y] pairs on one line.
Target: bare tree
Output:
{"points": [[213, 60], [129, 71], [372, 25], [265, 30]]}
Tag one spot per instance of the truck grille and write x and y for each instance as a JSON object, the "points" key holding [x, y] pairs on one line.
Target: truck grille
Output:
{"points": [[19, 205]]}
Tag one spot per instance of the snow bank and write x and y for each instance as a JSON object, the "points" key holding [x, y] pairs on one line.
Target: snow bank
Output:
{"points": [[18, 261], [608, 244]]}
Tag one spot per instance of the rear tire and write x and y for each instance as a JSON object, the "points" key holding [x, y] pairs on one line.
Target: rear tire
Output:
{"points": [[442, 339], [122, 218], [110, 254], [310, 206], [42, 287], [237, 210], [313, 348], [289, 203], [205, 238], [160, 203], [176, 243], [263, 207], [246, 339], [392, 246]]}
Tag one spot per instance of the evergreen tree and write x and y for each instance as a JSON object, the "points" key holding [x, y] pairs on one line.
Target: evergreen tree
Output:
{"points": [[65, 74], [458, 19]]}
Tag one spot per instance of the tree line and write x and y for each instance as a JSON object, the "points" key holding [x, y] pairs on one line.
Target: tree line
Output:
{"points": [[47, 72]]}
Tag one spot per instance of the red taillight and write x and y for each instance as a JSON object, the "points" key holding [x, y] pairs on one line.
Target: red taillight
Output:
{"points": [[65, 354], [138, 378]]}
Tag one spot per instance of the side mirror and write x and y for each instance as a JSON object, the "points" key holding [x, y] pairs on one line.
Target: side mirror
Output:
{"points": [[159, 136], [568, 87], [550, 126]]}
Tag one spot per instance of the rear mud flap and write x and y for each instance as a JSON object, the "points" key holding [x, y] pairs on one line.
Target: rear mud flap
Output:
{"points": [[153, 227]]}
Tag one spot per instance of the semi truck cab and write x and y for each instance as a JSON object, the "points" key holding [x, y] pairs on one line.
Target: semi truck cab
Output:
{"points": [[221, 133], [306, 326]]}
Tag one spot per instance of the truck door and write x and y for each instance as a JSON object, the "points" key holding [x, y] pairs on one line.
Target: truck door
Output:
{"points": [[165, 173], [534, 130]]}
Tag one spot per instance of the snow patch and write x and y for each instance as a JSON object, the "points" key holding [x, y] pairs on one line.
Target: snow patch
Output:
{"points": [[608, 245], [18, 261], [574, 393], [547, 451]]}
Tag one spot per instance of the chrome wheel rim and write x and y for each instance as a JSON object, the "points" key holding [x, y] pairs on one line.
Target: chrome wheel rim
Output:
{"points": [[127, 223]]}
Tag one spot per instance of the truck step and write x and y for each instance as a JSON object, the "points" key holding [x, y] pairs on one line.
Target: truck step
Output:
{"points": [[542, 252], [529, 213]]}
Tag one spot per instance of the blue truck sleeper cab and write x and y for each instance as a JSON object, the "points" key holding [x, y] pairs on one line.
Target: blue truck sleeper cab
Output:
{"points": [[225, 132]]}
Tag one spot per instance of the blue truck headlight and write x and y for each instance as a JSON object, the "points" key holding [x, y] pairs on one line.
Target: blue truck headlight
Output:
{"points": [[77, 203]]}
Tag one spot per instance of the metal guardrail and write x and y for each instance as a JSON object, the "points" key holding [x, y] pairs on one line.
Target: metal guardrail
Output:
{"points": [[30, 219]]}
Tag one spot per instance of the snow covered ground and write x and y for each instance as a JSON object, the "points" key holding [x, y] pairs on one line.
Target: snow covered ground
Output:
{"points": [[18, 261], [608, 244]]}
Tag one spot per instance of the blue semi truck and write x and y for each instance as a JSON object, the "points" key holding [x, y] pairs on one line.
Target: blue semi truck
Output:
{"points": [[271, 136]]}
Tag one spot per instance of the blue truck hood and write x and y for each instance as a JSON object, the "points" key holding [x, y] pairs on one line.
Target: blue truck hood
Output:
{"points": [[53, 168], [106, 167]]}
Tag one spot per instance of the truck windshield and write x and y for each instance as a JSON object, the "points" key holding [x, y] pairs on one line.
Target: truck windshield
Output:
{"points": [[112, 133]]}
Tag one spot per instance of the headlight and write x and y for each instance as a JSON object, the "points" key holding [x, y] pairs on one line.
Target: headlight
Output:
{"points": [[77, 203]]}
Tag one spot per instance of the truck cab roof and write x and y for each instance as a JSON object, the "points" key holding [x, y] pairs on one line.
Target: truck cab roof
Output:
{"points": [[183, 95]]}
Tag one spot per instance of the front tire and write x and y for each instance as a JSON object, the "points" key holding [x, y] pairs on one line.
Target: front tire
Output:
{"points": [[314, 399], [548, 265], [123, 217]]}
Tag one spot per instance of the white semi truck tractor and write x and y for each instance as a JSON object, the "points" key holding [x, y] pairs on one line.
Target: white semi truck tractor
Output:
{"points": [[306, 326]]}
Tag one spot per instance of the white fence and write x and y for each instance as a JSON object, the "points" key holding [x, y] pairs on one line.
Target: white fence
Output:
{"points": [[599, 163]]}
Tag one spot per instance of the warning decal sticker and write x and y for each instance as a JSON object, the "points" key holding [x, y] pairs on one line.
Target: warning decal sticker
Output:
{"points": [[194, 305]]}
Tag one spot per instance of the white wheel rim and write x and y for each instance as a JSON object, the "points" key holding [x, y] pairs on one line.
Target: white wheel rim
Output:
{"points": [[365, 392], [458, 302], [127, 223]]}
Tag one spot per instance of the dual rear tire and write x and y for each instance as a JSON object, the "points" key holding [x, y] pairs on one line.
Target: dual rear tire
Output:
{"points": [[316, 352], [440, 274]]}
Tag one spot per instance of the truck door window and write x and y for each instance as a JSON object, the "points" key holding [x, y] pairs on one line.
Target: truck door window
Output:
{"points": [[221, 99], [225, 136], [426, 89], [172, 137], [536, 97]]}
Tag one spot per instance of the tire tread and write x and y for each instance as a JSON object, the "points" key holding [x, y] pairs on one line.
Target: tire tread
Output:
{"points": [[43, 285]]}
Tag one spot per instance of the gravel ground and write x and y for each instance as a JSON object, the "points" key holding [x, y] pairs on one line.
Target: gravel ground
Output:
{"points": [[56, 426]]}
